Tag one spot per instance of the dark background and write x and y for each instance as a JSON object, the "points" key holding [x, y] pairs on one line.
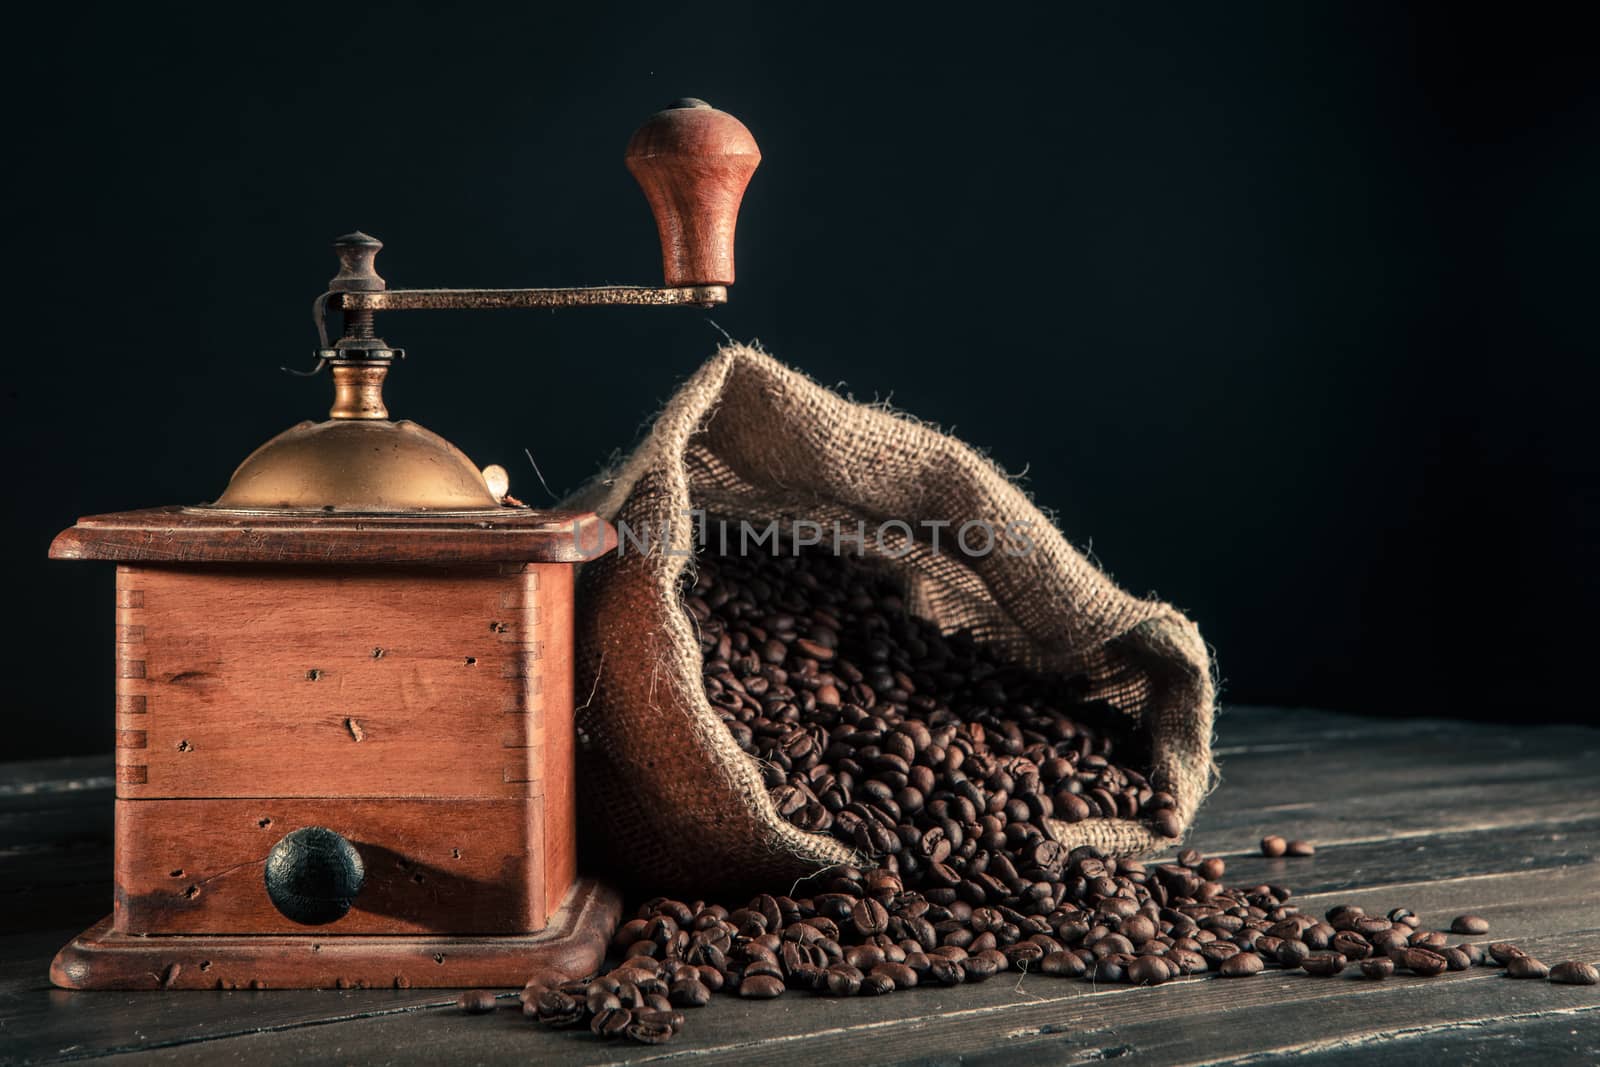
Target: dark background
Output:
{"points": [[1287, 309]]}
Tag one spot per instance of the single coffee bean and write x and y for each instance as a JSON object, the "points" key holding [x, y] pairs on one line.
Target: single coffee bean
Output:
{"points": [[869, 917], [1434, 939], [1293, 953], [1148, 970], [1244, 965], [1469, 924], [1503, 952], [1167, 823], [558, 1009], [1138, 929], [476, 1001], [1526, 967], [1574, 972], [876, 985], [1423, 962], [760, 987], [1110, 969], [612, 1022], [1352, 944], [1063, 964], [1377, 967], [1318, 935], [946, 971], [689, 993], [844, 981], [1458, 960], [1187, 961], [1299, 848], [1273, 845], [1325, 964], [649, 1031], [902, 976], [985, 965]]}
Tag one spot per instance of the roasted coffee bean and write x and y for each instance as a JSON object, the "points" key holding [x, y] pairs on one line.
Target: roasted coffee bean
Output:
{"points": [[690, 993], [558, 1009], [943, 766], [1062, 964], [1351, 944], [902, 976], [944, 971], [1526, 967], [1110, 969], [876, 985], [1293, 953], [1166, 823], [844, 981], [1574, 972], [649, 1031], [1244, 965], [1148, 970], [1424, 962], [1377, 967], [1325, 964], [869, 917], [612, 1022], [1138, 929], [1187, 961], [760, 987], [985, 965], [1469, 924], [1434, 939], [476, 1001], [1504, 952]]}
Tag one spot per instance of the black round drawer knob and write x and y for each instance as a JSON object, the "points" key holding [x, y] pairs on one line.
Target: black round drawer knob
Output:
{"points": [[313, 875]]}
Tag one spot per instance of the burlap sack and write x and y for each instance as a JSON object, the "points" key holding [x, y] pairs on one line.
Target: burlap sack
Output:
{"points": [[675, 803]]}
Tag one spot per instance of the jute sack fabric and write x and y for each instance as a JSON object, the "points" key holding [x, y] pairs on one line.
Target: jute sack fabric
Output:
{"points": [[674, 802]]}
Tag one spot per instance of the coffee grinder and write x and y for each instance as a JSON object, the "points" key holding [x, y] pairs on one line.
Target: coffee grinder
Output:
{"points": [[344, 689]]}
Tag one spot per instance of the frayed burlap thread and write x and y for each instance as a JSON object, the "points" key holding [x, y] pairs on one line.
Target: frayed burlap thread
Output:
{"points": [[676, 803]]}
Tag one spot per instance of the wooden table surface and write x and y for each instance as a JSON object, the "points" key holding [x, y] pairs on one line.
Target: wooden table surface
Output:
{"points": [[1439, 816]]}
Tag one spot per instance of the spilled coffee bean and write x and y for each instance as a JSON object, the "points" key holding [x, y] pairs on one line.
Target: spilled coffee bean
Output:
{"points": [[476, 1001], [1572, 972], [943, 765]]}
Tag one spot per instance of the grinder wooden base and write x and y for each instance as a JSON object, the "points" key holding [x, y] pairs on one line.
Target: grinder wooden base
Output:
{"points": [[572, 945]]}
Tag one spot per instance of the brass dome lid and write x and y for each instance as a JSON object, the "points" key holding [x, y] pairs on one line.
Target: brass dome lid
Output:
{"points": [[359, 465]]}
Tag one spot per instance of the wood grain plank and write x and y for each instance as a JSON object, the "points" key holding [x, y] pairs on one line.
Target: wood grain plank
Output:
{"points": [[1376, 818], [1516, 848], [382, 681], [920, 1023], [1197, 1020], [1559, 1036]]}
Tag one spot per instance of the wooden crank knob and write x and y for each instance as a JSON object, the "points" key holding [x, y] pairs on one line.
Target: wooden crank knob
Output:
{"points": [[693, 163]]}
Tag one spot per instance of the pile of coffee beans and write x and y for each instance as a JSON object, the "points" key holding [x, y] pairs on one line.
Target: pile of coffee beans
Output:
{"points": [[1119, 921], [940, 764], [925, 751]]}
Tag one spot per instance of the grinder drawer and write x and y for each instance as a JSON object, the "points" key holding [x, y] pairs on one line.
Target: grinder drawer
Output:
{"points": [[461, 866]]}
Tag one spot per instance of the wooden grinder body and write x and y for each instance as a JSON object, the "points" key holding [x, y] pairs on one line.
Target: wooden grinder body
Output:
{"points": [[413, 698]]}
